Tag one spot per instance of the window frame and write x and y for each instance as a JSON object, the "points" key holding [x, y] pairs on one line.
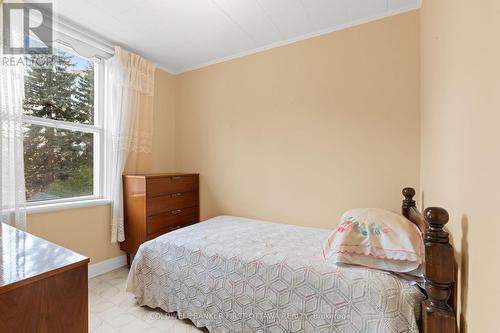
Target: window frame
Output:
{"points": [[97, 129]]}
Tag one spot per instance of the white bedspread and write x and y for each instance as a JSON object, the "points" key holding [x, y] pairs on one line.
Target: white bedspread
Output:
{"points": [[232, 274]]}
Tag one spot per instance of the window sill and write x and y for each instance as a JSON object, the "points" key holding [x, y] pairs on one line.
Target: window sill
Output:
{"points": [[66, 205]]}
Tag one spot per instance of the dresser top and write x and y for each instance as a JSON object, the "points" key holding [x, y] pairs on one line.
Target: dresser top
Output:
{"points": [[159, 175], [25, 258]]}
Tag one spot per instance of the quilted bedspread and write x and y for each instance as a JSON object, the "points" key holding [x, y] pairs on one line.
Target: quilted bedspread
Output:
{"points": [[231, 274]]}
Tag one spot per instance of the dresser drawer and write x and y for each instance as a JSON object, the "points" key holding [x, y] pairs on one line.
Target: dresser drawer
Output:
{"points": [[157, 203], [169, 202], [165, 222], [166, 185]]}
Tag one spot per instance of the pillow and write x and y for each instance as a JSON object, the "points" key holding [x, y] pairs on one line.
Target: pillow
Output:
{"points": [[376, 238]]}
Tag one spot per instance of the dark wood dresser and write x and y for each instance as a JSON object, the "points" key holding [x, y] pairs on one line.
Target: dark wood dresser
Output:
{"points": [[43, 286], [156, 204]]}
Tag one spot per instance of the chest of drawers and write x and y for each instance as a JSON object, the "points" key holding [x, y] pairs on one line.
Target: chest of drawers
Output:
{"points": [[155, 204]]}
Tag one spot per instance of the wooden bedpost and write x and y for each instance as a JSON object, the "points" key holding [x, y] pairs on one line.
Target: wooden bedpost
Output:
{"points": [[439, 268], [439, 274], [408, 201]]}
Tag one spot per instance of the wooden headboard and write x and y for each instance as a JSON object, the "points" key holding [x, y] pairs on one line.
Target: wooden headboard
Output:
{"points": [[439, 268]]}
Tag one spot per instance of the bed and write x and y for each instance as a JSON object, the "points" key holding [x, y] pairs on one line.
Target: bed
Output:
{"points": [[232, 274]]}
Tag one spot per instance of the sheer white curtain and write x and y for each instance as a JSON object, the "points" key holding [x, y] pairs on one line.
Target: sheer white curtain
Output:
{"points": [[128, 126], [13, 192]]}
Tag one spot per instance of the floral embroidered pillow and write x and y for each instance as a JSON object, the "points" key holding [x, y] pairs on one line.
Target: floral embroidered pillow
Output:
{"points": [[376, 238]]}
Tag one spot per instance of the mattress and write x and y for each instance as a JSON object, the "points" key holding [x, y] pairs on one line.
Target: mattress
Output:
{"points": [[232, 274]]}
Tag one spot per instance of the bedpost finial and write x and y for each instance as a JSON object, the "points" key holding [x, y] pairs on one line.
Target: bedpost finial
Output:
{"points": [[408, 202], [409, 193], [436, 217]]}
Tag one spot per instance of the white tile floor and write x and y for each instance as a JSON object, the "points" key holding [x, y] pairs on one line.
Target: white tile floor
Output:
{"points": [[111, 309]]}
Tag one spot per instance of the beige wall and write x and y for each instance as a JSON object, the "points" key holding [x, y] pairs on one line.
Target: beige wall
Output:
{"points": [[84, 230], [461, 142], [163, 131], [300, 133], [87, 230]]}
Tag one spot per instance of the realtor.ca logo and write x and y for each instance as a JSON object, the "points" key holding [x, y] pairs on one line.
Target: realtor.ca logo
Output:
{"points": [[27, 28]]}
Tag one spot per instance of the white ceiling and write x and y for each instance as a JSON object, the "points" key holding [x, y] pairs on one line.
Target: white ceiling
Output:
{"points": [[180, 35]]}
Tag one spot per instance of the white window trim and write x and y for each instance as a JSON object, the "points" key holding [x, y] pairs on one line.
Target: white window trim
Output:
{"points": [[98, 155], [62, 124], [52, 206], [99, 148]]}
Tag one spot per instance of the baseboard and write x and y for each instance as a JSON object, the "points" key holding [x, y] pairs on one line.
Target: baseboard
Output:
{"points": [[107, 266]]}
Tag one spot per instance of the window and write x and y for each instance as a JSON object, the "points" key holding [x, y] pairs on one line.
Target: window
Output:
{"points": [[62, 129]]}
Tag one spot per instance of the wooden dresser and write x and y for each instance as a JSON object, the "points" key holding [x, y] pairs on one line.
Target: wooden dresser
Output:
{"points": [[156, 204], [43, 286]]}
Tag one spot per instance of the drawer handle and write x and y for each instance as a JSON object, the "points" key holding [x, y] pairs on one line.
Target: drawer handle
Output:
{"points": [[176, 177], [177, 211], [176, 195]]}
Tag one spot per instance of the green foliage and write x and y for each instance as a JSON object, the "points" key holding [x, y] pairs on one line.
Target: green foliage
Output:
{"points": [[85, 95], [55, 158], [77, 185]]}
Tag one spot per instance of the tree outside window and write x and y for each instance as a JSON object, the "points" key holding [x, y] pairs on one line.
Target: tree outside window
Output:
{"points": [[59, 128]]}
